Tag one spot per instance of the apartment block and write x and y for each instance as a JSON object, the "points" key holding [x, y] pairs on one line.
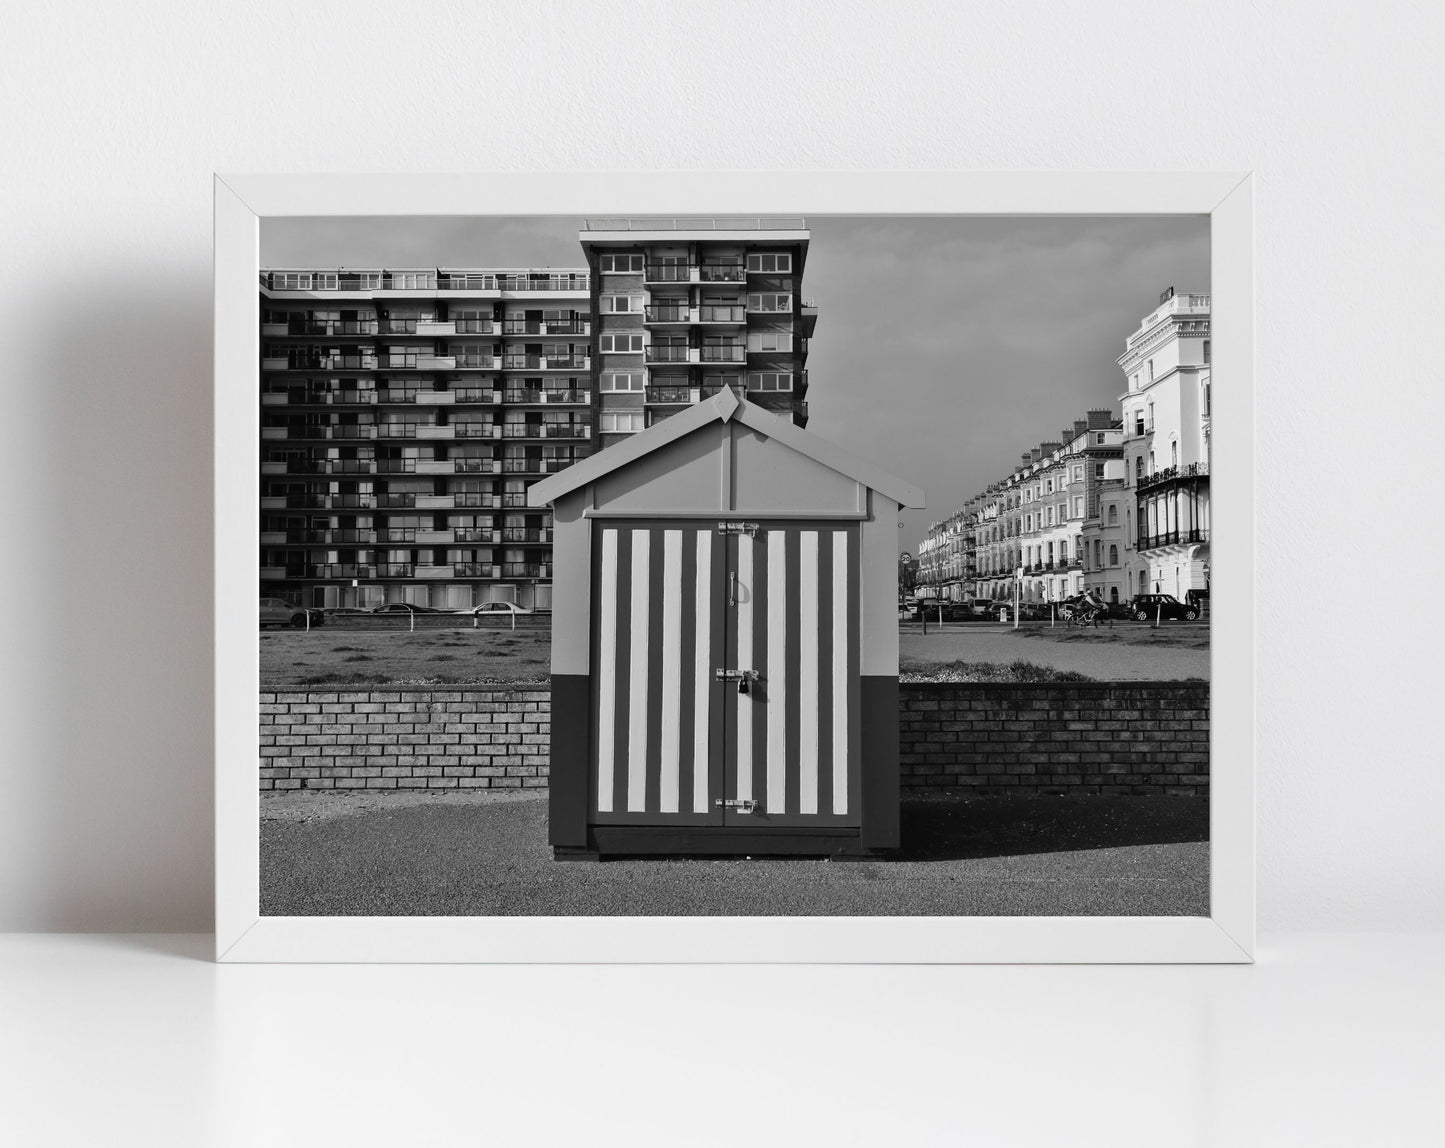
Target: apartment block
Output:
{"points": [[405, 411], [688, 306]]}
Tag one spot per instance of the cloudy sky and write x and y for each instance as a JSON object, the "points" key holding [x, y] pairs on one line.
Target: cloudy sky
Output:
{"points": [[946, 346]]}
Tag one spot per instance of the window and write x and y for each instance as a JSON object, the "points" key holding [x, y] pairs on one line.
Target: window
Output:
{"points": [[1049, 486], [621, 264], [1051, 519], [767, 263], [770, 341], [620, 344], [1098, 470], [1138, 468], [1205, 401], [614, 381], [1134, 382], [1099, 438], [1173, 453], [766, 301], [1206, 350], [1113, 514], [1151, 370], [1113, 556], [413, 281], [619, 304], [621, 421], [770, 381]]}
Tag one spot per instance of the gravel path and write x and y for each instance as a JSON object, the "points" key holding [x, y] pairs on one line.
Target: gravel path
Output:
{"points": [[1130, 652], [486, 855]]}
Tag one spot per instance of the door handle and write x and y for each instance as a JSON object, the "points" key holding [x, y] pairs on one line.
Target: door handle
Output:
{"points": [[732, 587]]}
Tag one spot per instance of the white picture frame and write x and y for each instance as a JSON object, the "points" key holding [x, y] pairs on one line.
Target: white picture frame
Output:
{"points": [[1227, 935]]}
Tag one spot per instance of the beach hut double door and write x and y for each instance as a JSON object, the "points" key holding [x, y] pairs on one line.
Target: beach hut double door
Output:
{"points": [[725, 674]]}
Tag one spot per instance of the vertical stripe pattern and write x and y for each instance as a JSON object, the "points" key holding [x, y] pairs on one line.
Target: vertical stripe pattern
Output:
{"points": [[668, 737]]}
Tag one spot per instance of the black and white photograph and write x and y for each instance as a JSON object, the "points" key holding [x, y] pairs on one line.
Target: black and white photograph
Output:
{"points": [[645, 565]]}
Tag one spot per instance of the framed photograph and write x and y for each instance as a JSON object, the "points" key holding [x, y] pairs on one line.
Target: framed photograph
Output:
{"points": [[698, 567]]}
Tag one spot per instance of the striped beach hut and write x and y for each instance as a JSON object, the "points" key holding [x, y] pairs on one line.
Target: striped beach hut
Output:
{"points": [[724, 642]]}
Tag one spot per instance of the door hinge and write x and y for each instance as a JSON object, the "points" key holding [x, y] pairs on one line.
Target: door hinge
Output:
{"points": [[741, 804], [748, 528]]}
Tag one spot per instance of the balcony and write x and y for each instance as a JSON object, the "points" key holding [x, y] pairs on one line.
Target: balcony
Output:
{"points": [[307, 327], [525, 569], [435, 431], [539, 327], [396, 536], [477, 430], [342, 570], [546, 363], [730, 353], [428, 570], [268, 433], [272, 573], [348, 431], [475, 327], [527, 534], [395, 501], [476, 466], [673, 396], [670, 273], [731, 314], [436, 328], [528, 395], [354, 465], [434, 398], [473, 570], [670, 353], [1171, 474], [667, 313], [472, 499], [396, 466], [394, 570], [477, 395], [1172, 538], [475, 535], [396, 430], [344, 398], [477, 362], [723, 273]]}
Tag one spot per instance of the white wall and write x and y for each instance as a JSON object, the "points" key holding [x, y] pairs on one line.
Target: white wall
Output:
{"points": [[114, 115]]}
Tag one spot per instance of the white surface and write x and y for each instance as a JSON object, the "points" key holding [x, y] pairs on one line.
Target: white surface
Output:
{"points": [[114, 116], [1329, 1040]]}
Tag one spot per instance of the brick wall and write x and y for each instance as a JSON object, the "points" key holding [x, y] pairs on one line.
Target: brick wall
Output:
{"points": [[1074, 738], [1061, 738], [405, 739]]}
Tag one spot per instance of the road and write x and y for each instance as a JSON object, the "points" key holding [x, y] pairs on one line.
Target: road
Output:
{"points": [[486, 855], [1128, 652]]}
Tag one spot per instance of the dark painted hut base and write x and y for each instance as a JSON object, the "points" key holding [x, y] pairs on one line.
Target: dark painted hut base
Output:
{"points": [[715, 841]]}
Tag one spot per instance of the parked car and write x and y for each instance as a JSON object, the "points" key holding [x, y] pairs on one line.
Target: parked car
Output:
{"points": [[1146, 607], [279, 612], [1119, 611], [404, 608], [907, 610], [497, 610], [345, 611]]}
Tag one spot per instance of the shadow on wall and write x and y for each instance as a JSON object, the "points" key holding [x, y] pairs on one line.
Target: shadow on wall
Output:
{"points": [[950, 829], [114, 625]]}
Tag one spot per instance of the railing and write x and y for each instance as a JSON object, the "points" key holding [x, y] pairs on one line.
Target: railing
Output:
{"points": [[396, 466], [510, 500], [524, 534], [545, 396], [346, 397], [342, 570], [666, 353], [477, 362], [473, 570], [719, 313], [1171, 538], [473, 499], [302, 327], [475, 430], [534, 327], [671, 394], [697, 223], [475, 326], [394, 570], [474, 534], [474, 465], [349, 430], [667, 314], [475, 394], [401, 326], [1173, 473], [729, 354], [397, 534], [333, 537], [523, 569], [396, 430], [669, 272], [545, 363], [724, 273], [396, 501]]}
